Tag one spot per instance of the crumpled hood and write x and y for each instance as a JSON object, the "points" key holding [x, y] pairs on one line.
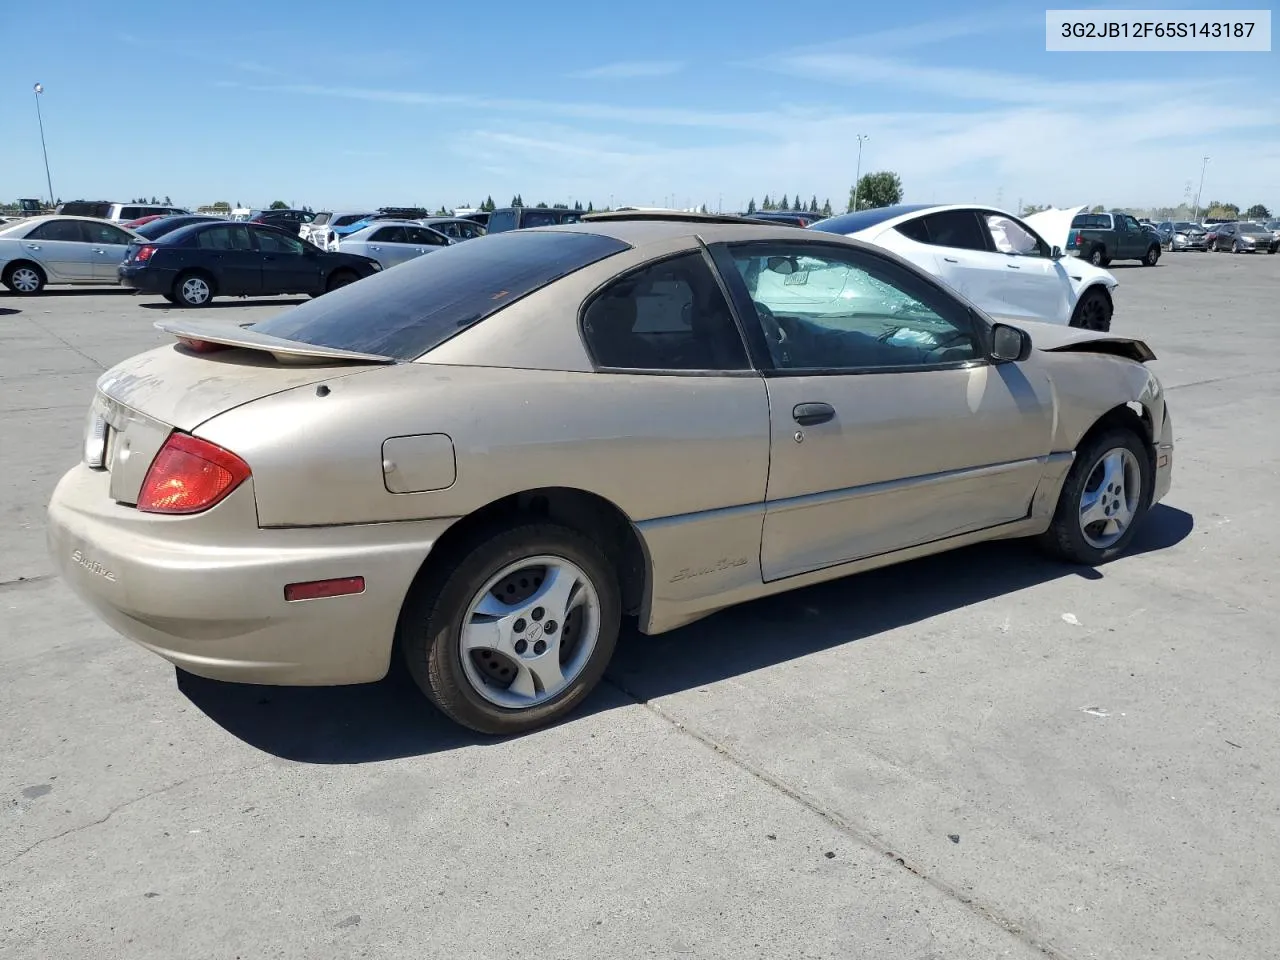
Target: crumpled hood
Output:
{"points": [[1053, 225], [1053, 337]]}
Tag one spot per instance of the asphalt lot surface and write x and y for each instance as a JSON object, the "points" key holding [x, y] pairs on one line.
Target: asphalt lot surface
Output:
{"points": [[974, 756]]}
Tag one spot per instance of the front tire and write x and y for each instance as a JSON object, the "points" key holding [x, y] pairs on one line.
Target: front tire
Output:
{"points": [[514, 634], [24, 279], [192, 290], [1103, 500], [1093, 312], [342, 278], [1152, 257]]}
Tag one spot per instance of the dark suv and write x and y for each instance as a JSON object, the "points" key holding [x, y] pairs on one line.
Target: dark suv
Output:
{"points": [[520, 218]]}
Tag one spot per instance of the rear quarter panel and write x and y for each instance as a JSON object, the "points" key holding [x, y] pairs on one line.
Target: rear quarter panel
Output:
{"points": [[655, 446]]}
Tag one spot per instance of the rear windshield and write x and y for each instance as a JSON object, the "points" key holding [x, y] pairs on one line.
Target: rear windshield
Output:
{"points": [[853, 222], [82, 208], [322, 218], [405, 312], [502, 220], [349, 219]]}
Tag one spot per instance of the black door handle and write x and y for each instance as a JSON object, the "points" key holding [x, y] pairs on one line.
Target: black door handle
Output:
{"points": [[807, 414]]}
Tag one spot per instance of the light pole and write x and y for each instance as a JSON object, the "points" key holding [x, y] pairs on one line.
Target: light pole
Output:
{"points": [[39, 89], [1195, 214], [858, 176]]}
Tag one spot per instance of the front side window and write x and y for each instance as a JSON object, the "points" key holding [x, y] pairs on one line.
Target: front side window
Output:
{"points": [[956, 228], [105, 233], [425, 237], [66, 230], [1010, 236], [665, 316], [271, 242], [537, 218], [826, 309]]}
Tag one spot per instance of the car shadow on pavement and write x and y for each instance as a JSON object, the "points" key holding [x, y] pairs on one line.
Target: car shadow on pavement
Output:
{"points": [[8, 311], [390, 719], [235, 302], [72, 292]]}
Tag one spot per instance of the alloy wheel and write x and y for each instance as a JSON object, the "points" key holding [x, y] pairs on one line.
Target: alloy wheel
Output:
{"points": [[530, 631], [1110, 498], [195, 291]]}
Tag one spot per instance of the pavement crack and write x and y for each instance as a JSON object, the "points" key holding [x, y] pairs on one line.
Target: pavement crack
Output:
{"points": [[1233, 376], [23, 581], [859, 835], [121, 806], [66, 343]]}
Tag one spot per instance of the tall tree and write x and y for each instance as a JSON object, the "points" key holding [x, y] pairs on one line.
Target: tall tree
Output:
{"points": [[279, 205], [1258, 212], [1218, 209], [167, 201], [703, 209], [751, 206], [488, 205], [766, 203], [880, 189], [813, 204], [590, 208], [1097, 208], [826, 207], [783, 204]]}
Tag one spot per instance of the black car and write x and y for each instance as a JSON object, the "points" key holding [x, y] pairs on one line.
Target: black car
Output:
{"points": [[158, 228], [196, 263], [521, 218], [290, 221], [793, 218]]}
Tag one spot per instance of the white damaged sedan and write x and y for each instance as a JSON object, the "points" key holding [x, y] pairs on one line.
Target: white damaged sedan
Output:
{"points": [[1011, 268]]}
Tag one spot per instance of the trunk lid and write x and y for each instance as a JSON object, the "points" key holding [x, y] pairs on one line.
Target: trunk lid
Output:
{"points": [[139, 402]]}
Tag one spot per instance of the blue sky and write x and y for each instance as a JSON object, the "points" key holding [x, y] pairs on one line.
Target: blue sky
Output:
{"points": [[380, 102]]}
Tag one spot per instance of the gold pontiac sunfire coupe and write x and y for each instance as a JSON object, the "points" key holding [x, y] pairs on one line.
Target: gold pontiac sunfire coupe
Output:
{"points": [[481, 460]]}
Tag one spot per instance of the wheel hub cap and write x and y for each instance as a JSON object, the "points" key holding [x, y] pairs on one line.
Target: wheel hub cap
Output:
{"points": [[529, 632], [195, 291], [25, 279], [1110, 498]]}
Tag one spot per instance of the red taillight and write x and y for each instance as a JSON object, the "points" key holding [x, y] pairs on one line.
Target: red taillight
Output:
{"points": [[316, 589], [202, 346], [189, 475], [144, 254]]}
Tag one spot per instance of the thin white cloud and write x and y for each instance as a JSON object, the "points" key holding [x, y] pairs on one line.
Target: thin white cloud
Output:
{"points": [[628, 69]]}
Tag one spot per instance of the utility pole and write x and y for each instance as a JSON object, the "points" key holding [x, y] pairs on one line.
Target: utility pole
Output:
{"points": [[858, 175], [1195, 214], [39, 89]]}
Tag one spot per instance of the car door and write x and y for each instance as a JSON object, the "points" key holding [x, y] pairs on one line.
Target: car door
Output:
{"points": [[286, 265], [889, 426], [425, 240], [62, 248], [108, 245], [1039, 287], [227, 251], [967, 261], [388, 245]]}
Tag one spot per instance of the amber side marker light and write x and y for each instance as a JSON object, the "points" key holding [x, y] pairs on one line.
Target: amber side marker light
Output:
{"points": [[317, 589]]}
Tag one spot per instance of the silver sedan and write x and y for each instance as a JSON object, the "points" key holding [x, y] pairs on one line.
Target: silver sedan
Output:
{"points": [[391, 242], [43, 250]]}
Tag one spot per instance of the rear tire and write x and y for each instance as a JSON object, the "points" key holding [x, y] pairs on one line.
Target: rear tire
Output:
{"points": [[1093, 312], [340, 278], [1106, 496], [510, 685], [1098, 257], [24, 278], [193, 289]]}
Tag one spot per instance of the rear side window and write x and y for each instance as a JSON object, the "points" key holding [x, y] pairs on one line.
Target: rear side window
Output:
{"points": [[956, 228], [389, 235], [224, 238], [406, 312], [916, 230], [428, 238], [502, 220], [132, 213], [68, 230], [665, 316]]}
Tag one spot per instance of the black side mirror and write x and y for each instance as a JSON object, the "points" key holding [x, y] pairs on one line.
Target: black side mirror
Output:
{"points": [[1056, 253], [1009, 344]]}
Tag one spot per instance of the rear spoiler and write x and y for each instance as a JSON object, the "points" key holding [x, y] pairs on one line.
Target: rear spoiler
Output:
{"points": [[207, 336]]}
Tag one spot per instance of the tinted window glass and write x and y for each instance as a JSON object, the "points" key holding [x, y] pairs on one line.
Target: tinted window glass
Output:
{"points": [[388, 235], [956, 228], [916, 230], [538, 218], [348, 220], [426, 237], [501, 220], [105, 233], [158, 228], [853, 222], [405, 312], [58, 230], [1251, 228], [132, 213], [823, 308], [230, 237], [83, 208], [666, 316], [271, 242]]}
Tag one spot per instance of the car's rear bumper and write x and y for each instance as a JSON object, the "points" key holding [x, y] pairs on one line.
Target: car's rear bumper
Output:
{"points": [[147, 279], [207, 592]]}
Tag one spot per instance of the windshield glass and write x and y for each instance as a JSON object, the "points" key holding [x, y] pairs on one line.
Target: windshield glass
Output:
{"points": [[1251, 228], [1185, 226], [405, 312]]}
